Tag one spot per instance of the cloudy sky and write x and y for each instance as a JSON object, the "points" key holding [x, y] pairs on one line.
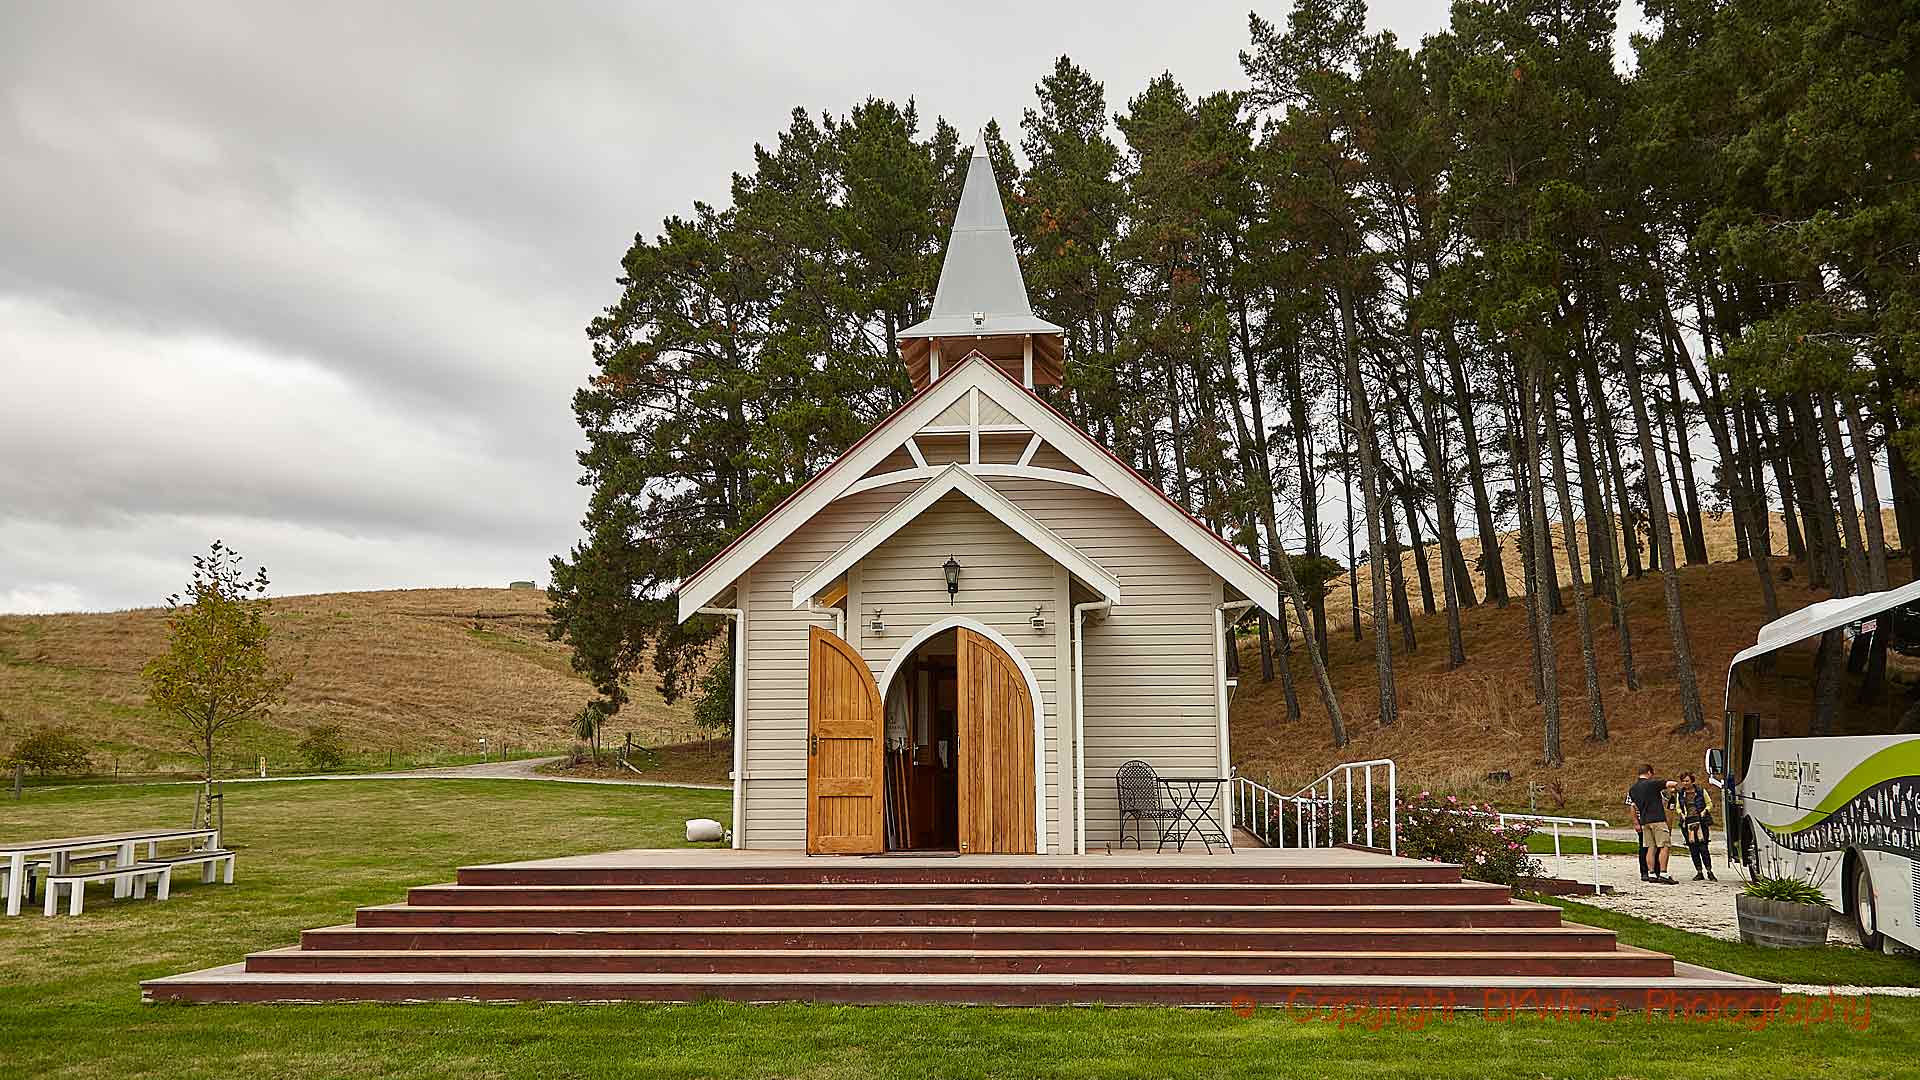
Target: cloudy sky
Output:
{"points": [[312, 278]]}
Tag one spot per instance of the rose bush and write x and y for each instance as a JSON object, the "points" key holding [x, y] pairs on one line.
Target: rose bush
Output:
{"points": [[1445, 829]]}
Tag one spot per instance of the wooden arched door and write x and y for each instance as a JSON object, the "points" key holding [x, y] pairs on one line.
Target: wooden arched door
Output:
{"points": [[846, 733], [996, 782]]}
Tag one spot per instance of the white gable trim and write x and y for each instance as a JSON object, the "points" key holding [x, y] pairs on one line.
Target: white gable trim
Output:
{"points": [[1146, 500], [816, 495], [951, 479], [985, 468], [1079, 448]]}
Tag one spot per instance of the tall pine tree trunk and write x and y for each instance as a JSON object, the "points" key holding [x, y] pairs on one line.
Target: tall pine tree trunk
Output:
{"points": [[1857, 578], [1869, 498], [1433, 448], [1749, 513], [1368, 449], [1556, 448], [1610, 460], [1692, 719], [1534, 388], [1396, 573], [1290, 587], [1603, 540], [1309, 490], [1491, 564]]}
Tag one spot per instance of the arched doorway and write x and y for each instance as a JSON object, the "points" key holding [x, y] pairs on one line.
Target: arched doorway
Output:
{"points": [[964, 743]]}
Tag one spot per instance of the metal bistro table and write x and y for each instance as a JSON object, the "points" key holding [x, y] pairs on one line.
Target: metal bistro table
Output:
{"points": [[60, 850], [1194, 797]]}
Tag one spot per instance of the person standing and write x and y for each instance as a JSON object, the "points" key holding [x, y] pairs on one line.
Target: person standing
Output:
{"points": [[1695, 812], [1648, 797]]}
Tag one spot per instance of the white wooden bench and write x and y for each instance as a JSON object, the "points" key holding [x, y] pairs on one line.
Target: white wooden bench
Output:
{"points": [[135, 876], [30, 873], [210, 861]]}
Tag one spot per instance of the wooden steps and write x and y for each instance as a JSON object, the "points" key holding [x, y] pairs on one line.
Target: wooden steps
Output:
{"points": [[1270, 928]]}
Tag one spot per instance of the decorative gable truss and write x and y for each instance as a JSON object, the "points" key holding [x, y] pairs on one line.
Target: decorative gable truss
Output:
{"points": [[976, 402], [979, 419], [956, 478]]}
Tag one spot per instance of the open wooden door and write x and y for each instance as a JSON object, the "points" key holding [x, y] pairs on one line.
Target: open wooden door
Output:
{"points": [[846, 730], [996, 750]]}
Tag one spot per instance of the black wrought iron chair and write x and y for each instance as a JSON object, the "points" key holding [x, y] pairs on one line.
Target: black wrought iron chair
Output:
{"points": [[1141, 802]]}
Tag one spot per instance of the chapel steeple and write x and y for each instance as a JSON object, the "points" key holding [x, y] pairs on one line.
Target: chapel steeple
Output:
{"points": [[981, 302]]}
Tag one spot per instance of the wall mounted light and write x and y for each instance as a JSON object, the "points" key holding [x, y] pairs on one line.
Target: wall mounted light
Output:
{"points": [[1036, 620], [952, 569], [877, 624]]}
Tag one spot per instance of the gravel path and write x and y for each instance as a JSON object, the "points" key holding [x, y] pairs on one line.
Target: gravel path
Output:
{"points": [[1704, 907]]}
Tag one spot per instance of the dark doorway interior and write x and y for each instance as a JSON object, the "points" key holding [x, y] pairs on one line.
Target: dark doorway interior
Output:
{"points": [[922, 753]]}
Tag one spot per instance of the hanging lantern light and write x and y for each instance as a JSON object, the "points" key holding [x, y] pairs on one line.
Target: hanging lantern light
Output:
{"points": [[952, 569]]}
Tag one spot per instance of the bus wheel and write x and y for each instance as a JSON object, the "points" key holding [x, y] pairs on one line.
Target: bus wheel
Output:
{"points": [[1866, 921], [1749, 854]]}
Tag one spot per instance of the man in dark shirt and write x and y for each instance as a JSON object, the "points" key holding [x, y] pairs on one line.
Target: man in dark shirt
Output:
{"points": [[1647, 798]]}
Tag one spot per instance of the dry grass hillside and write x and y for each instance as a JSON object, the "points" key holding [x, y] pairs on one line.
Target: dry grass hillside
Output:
{"points": [[1456, 727], [410, 675], [1720, 548]]}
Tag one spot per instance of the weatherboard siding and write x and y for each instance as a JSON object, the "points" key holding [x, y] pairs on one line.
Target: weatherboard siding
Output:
{"points": [[775, 751], [1149, 683], [1003, 578], [1150, 677]]}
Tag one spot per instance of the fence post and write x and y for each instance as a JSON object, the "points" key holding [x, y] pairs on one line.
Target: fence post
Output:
{"points": [[19, 771], [1593, 840]]}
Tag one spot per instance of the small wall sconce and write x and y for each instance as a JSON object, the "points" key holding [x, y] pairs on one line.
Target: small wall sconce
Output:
{"points": [[952, 569], [1037, 621], [877, 624]]}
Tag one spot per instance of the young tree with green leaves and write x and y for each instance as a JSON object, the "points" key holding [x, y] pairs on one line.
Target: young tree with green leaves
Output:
{"points": [[217, 673]]}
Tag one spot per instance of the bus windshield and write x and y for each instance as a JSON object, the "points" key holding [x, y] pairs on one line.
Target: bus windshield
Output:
{"points": [[1862, 679]]}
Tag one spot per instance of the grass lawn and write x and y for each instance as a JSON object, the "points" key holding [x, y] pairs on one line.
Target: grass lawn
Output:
{"points": [[309, 853], [1542, 844]]}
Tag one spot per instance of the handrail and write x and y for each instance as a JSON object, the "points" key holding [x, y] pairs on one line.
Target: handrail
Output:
{"points": [[1318, 815], [1594, 825]]}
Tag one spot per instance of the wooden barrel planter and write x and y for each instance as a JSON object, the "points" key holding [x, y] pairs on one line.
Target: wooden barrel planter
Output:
{"points": [[1779, 924]]}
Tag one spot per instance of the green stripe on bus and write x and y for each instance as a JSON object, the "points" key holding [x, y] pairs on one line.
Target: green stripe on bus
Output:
{"points": [[1901, 759]]}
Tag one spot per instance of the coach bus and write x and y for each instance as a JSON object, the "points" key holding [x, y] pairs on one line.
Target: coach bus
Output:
{"points": [[1820, 768]]}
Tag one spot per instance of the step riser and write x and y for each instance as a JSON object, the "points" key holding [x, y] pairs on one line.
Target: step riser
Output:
{"points": [[1621, 965], [872, 895], [1464, 997], [1494, 939], [983, 917], [1012, 873]]}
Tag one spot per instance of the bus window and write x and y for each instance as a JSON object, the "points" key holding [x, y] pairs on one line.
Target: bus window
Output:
{"points": [[1786, 701], [1744, 690]]}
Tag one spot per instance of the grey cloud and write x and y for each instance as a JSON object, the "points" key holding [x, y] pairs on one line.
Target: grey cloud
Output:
{"points": [[313, 277]]}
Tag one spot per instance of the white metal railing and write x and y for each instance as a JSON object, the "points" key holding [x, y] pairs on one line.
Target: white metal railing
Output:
{"points": [[1326, 812], [1593, 827]]}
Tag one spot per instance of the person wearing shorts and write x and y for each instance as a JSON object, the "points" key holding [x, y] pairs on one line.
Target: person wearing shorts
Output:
{"points": [[1648, 798]]}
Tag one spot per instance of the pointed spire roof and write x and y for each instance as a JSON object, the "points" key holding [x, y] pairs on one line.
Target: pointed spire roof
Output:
{"points": [[982, 294]]}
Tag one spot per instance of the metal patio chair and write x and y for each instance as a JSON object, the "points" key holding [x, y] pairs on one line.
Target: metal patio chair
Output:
{"points": [[1140, 800]]}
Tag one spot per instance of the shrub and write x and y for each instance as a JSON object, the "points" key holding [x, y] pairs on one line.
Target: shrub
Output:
{"points": [[325, 747], [1791, 890], [49, 751], [1448, 830]]}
